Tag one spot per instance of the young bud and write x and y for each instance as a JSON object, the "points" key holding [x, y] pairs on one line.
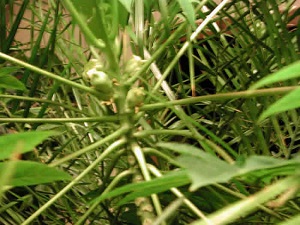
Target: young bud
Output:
{"points": [[133, 65], [135, 97]]}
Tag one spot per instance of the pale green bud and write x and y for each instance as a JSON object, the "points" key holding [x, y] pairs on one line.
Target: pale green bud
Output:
{"points": [[135, 97], [133, 65], [100, 81]]}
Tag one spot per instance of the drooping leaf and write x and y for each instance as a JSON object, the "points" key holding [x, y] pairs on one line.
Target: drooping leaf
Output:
{"points": [[32, 173], [21, 142], [205, 169], [288, 102], [7, 80], [289, 72]]}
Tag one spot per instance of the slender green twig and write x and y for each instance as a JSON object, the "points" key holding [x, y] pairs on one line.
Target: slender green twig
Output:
{"points": [[115, 135], [221, 97], [25, 98], [112, 184], [49, 74], [109, 150], [116, 118]]}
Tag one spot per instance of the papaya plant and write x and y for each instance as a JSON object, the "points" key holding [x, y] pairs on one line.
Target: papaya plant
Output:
{"points": [[165, 112]]}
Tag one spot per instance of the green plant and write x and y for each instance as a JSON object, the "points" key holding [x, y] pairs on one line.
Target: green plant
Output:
{"points": [[160, 120]]}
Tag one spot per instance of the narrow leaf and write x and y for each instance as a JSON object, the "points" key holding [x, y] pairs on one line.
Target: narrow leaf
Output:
{"points": [[288, 102], [164, 183], [188, 10], [32, 173], [127, 4], [174, 179], [7, 80], [289, 72], [21, 142]]}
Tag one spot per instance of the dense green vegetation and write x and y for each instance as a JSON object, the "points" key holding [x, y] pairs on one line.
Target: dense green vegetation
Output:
{"points": [[149, 112]]}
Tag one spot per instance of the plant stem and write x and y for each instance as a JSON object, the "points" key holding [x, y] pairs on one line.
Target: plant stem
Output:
{"points": [[143, 204], [221, 97], [63, 120], [187, 43], [113, 183], [49, 74], [248, 205], [97, 144]]}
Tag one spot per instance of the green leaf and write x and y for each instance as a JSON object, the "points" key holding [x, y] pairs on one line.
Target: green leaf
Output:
{"points": [[86, 14], [255, 162], [7, 80], [168, 181], [32, 173], [164, 183], [289, 72], [206, 169], [288, 102], [218, 171], [127, 4], [188, 10], [294, 220], [21, 142]]}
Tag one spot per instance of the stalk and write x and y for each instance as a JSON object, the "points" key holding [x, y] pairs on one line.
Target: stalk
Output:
{"points": [[108, 151]]}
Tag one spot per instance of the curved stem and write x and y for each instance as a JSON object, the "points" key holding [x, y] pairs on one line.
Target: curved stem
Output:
{"points": [[49, 74], [97, 144]]}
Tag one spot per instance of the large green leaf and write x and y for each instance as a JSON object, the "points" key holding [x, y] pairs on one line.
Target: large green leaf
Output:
{"points": [[21, 142], [288, 102], [7, 80], [289, 72], [206, 169], [32, 173]]}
